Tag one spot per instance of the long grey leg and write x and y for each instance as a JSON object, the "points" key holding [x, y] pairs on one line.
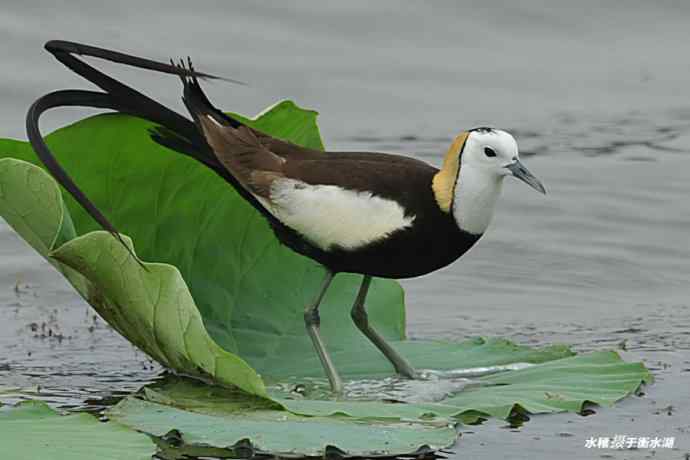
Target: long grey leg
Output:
{"points": [[312, 321], [361, 319]]}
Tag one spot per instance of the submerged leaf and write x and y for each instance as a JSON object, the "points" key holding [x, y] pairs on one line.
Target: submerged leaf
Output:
{"points": [[278, 432], [559, 385], [556, 386], [213, 416], [32, 430]]}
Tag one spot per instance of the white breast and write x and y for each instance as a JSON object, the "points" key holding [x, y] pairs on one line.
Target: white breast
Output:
{"points": [[475, 198], [328, 215]]}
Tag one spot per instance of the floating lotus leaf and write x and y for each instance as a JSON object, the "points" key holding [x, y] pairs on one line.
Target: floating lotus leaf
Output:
{"points": [[32, 430]]}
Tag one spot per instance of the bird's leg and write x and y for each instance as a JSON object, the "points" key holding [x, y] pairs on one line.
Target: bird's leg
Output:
{"points": [[361, 319], [312, 321]]}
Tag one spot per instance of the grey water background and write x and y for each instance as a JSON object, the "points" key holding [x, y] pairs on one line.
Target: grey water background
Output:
{"points": [[596, 94]]}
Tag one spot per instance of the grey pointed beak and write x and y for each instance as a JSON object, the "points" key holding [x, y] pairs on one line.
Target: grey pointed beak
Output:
{"points": [[521, 172]]}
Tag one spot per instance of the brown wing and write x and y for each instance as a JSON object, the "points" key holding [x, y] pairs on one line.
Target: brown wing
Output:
{"points": [[288, 150], [256, 159], [239, 150], [247, 156]]}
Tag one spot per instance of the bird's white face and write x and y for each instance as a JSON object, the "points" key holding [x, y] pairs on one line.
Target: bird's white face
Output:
{"points": [[489, 155], [490, 150], [494, 152]]}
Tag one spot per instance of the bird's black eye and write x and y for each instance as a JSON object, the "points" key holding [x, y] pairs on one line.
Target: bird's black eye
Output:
{"points": [[489, 152]]}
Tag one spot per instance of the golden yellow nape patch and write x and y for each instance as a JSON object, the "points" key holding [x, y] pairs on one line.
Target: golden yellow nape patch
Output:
{"points": [[444, 180]]}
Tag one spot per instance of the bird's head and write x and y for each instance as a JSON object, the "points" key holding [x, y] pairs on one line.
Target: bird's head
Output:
{"points": [[473, 170], [494, 152]]}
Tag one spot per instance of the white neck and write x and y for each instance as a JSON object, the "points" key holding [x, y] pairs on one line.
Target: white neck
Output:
{"points": [[475, 198]]}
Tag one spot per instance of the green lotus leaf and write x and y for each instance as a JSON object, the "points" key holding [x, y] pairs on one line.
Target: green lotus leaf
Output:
{"points": [[396, 428], [153, 308], [33, 430], [32, 204], [565, 384], [249, 289], [559, 385], [281, 433]]}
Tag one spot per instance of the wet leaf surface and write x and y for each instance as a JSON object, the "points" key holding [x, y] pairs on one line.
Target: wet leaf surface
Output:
{"points": [[32, 430], [279, 432]]}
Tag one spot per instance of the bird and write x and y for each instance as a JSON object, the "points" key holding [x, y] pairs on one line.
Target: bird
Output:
{"points": [[373, 214]]}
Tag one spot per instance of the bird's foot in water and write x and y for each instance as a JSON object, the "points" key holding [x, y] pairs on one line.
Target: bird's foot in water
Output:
{"points": [[405, 370], [471, 372], [427, 388]]}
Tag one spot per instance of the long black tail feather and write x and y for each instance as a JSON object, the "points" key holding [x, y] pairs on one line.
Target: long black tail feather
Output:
{"points": [[195, 99], [175, 131], [66, 98]]}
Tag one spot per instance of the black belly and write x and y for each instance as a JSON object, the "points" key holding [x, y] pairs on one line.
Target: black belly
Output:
{"points": [[423, 248], [405, 254]]}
